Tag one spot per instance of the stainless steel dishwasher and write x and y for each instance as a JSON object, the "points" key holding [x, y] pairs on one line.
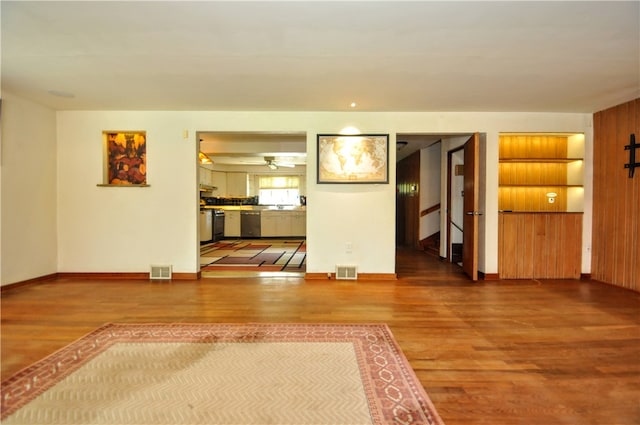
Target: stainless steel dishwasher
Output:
{"points": [[250, 224]]}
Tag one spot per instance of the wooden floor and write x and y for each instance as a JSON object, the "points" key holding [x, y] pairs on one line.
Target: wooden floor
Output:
{"points": [[506, 352]]}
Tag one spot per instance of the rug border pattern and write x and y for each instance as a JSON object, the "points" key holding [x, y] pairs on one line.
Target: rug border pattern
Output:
{"points": [[386, 373]]}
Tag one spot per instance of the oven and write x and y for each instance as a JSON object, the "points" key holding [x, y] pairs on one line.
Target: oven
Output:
{"points": [[218, 224]]}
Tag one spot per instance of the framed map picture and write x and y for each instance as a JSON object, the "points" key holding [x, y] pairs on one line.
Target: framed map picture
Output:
{"points": [[125, 158], [361, 158]]}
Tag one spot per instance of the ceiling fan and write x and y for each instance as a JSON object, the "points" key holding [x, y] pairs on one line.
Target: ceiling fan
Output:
{"points": [[274, 165]]}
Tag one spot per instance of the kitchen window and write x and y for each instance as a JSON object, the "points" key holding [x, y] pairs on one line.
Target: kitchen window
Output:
{"points": [[279, 190]]}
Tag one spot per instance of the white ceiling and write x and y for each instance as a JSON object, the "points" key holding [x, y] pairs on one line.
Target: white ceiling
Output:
{"points": [[320, 56], [543, 56]]}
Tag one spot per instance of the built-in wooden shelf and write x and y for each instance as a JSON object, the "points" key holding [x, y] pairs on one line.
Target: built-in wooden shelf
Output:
{"points": [[540, 185], [539, 239], [533, 166], [541, 160]]}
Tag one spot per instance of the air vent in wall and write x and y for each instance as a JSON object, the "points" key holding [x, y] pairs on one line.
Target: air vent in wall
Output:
{"points": [[160, 273], [347, 272]]}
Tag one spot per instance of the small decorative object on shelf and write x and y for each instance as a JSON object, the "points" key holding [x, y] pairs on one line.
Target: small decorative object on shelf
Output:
{"points": [[633, 162], [125, 158]]}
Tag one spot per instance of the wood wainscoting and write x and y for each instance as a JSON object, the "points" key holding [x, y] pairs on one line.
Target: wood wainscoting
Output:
{"points": [[540, 245], [616, 198]]}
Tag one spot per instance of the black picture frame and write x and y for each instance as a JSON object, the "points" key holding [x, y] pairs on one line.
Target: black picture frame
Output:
{"points": [[352, 158]]}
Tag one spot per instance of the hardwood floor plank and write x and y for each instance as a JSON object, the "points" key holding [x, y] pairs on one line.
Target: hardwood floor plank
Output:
{"points": [[500, 352]]}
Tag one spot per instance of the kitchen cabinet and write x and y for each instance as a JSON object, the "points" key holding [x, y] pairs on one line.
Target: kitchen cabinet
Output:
{"points": [[298, 223], [204, 177], [236, 184], [268, 225], [278, 223], [219, 180], [232, 223], [275, 223]]}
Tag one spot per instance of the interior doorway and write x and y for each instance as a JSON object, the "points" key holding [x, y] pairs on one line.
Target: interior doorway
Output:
{"points": [[429, 198], [257, 182]]}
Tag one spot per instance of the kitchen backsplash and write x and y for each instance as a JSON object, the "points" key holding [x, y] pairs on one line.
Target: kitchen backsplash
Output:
{"points": [[214, 200]]}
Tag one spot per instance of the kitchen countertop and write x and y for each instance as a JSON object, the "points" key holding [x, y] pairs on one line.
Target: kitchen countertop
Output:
{"points": [[253, 208]]}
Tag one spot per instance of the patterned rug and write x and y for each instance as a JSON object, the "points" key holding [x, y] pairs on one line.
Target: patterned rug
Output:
{"points": [[262, 255], [222, 374]]}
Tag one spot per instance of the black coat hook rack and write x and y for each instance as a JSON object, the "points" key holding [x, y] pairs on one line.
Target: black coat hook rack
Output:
{"points": [[633, 162]]}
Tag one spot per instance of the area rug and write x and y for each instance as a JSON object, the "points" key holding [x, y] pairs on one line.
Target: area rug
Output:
{"points": [[222, 374], [264, 255]]}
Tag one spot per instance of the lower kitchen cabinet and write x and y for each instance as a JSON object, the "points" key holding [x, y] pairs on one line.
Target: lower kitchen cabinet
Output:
{"points": [[278, 223], [275, 223], [298, 223], [232, 224]]}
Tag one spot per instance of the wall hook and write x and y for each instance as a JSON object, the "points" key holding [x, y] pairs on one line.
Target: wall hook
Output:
{"points": [[633, 162]]}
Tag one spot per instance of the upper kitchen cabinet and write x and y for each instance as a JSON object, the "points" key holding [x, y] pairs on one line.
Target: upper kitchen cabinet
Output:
{"points": [[219, 180], [237, 184], [541, 172], [205, 179]]}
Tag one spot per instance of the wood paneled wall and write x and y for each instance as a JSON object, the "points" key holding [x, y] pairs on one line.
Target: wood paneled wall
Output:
{"points": [[616, 198], [408, 201], [540, 245]]}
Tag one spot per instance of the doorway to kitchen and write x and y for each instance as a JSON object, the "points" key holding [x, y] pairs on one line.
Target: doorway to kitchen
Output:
{"points": [[257, 181]]}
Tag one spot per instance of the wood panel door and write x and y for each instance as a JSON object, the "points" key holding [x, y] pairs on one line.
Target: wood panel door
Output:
{"points": [[470, 202]]}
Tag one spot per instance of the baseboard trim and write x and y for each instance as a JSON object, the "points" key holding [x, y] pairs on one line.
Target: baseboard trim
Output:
{"points": [[126, 276], [28, 282], [488, 276], [361, 276], [186, 276], [104, 275]]}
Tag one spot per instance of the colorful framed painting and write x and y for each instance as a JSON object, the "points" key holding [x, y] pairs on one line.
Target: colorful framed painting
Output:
{"points": [[125, 158], [360, 158]]}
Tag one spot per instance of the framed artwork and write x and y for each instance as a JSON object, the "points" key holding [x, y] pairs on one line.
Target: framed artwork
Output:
{"points": [[125, 158], [361, 158]]}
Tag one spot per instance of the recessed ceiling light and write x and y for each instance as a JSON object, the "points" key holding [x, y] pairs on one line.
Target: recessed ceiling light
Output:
{"points": [[353, 104], [61, 93]]}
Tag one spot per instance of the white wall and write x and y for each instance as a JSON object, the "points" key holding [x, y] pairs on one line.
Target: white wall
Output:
{"points": [[127, 229], [28, 217]]}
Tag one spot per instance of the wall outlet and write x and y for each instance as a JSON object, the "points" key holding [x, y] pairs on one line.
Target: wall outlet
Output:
{"points": [[348, 247]]}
